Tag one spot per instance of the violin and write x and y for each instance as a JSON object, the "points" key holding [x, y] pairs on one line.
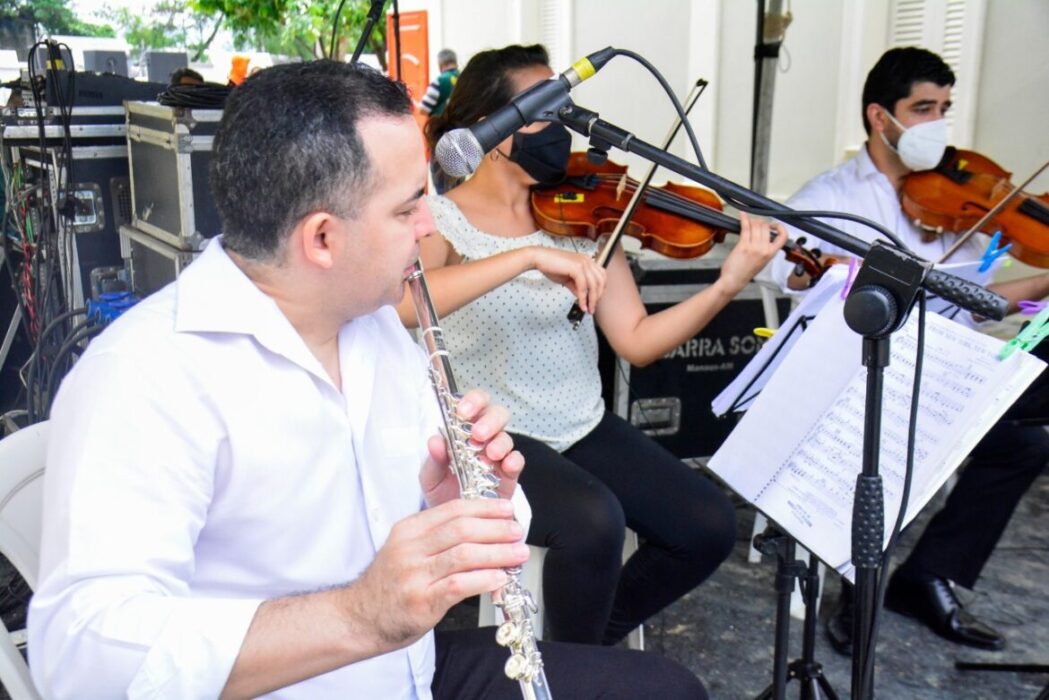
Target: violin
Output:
{"points": [[678, 221], [962, 193]]}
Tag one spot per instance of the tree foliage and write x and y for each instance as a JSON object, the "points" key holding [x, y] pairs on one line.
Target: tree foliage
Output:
{"points": [[166, 24], [52, 17], [300, 28]]}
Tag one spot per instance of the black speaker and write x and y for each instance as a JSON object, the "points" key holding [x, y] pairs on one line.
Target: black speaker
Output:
{"points": [[114, 62]]}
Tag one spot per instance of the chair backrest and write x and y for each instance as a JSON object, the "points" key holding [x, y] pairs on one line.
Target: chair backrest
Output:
{"points": [[22, 457]]}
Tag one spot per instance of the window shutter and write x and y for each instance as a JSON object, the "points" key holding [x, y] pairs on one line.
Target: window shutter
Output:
{"points": [[555, 32]]}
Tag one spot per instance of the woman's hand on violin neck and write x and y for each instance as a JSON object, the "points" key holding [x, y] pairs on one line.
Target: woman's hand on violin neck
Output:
{"points": [[756, 246], [803, 281], [577, 272]]}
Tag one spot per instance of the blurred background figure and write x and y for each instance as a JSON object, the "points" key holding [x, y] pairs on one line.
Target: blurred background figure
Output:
{"points": [[238, 71], [185, 76], [434, 101], [440, 89]]}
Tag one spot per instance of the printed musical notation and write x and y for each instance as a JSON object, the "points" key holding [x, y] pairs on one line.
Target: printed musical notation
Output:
{"points": [[798, 449]]}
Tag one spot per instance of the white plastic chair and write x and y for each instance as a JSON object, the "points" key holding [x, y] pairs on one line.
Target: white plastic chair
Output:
{"points": [[21, 491], [532, 580]]}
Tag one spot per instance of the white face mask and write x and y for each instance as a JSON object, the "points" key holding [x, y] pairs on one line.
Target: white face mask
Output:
{"points": [[920, 146]]}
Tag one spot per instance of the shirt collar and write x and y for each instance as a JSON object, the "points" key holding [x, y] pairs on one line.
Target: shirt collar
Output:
{"points": [[865, 167], [214, 295], [867, 171]]}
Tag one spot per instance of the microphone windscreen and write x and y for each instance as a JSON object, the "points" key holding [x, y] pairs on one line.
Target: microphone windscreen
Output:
{"points": [[459, 152]]}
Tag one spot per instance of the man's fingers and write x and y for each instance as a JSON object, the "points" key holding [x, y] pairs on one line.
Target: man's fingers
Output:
{"points": [[498, 448], [489, 424], [455, 588], [512, 465], [425, 521], [437, 446], [469, 556], [472, 531], [435, 469], [471, 404]]}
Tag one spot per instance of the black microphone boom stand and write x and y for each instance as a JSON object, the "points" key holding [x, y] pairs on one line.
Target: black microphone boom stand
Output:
{"points": [[879, 303]]}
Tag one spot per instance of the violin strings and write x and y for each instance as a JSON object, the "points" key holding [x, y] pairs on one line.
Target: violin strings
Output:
{"points": [[680, 205]]}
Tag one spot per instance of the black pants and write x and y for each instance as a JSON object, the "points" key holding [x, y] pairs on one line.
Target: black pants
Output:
{"points": [[582, 499], [960, 538], [470, 667]]}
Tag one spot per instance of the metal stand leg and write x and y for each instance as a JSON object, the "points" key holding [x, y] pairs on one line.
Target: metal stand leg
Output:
{"points": [[814, 686]]}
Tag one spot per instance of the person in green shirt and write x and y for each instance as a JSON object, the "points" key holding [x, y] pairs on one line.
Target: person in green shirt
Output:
{"points": [[433, 104], [440, 89]]}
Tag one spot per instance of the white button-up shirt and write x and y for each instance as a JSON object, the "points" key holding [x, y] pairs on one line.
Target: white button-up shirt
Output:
{"points": [[858, 187], [201, 461]]}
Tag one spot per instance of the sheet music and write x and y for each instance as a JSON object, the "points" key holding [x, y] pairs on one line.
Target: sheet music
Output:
{"points": [[797, 450], [742, 391]]}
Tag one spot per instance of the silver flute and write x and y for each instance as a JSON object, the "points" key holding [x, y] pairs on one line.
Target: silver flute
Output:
{"points": [[476, 480]]}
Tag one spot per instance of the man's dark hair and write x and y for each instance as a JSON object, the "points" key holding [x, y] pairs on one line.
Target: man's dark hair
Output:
{"points": [[288, 146], [179, 73], [896, 72], [483, 87]]}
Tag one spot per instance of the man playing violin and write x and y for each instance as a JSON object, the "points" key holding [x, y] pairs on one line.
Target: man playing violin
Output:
{"points": [[905, 98]]}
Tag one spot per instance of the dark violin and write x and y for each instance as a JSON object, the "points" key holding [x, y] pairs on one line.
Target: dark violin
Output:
{"points": [[679, 221], [963, 189]]}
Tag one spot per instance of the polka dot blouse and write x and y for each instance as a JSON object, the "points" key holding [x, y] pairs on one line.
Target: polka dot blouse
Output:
{"points": [[516, 343]]}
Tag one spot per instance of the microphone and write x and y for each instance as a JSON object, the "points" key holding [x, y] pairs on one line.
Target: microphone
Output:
{"points": [[460, 151]]}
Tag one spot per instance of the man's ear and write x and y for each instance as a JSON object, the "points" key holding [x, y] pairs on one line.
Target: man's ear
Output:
{"points": [[877, 118], [317, 235]]}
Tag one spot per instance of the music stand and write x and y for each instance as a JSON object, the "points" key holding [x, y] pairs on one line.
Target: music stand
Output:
{"points": [[808, 672]]}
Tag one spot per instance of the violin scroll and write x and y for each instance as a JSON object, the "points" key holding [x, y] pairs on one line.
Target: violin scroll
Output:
{"points": [[807, 262]]}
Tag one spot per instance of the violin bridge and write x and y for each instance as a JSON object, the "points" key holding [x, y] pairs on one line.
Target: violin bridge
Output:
{"points": [[621, 187]]}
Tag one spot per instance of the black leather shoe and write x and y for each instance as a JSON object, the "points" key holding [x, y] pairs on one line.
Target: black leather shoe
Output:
{"points": [[839, 624], [933, 602]]}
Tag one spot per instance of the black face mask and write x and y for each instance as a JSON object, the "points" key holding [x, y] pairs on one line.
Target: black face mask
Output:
{"points": [[543, 154]]}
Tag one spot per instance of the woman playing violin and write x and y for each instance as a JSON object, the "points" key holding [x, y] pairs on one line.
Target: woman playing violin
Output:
{"points": [[503, 288]]}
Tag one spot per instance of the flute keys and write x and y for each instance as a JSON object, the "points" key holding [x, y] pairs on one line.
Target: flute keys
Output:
{"points": [[508, 633], [516, 667]]}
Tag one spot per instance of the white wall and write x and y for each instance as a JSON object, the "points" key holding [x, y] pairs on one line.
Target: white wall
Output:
{"points": [[1012, 121], [625, 93], [1013, 111], [469, 26]]}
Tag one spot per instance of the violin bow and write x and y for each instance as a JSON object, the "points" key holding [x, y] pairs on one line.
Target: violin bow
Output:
{"points": [[990, 214], [604, 255]]}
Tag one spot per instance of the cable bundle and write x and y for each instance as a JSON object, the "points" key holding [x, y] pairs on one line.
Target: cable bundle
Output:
{"points": [[204, 96]]}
